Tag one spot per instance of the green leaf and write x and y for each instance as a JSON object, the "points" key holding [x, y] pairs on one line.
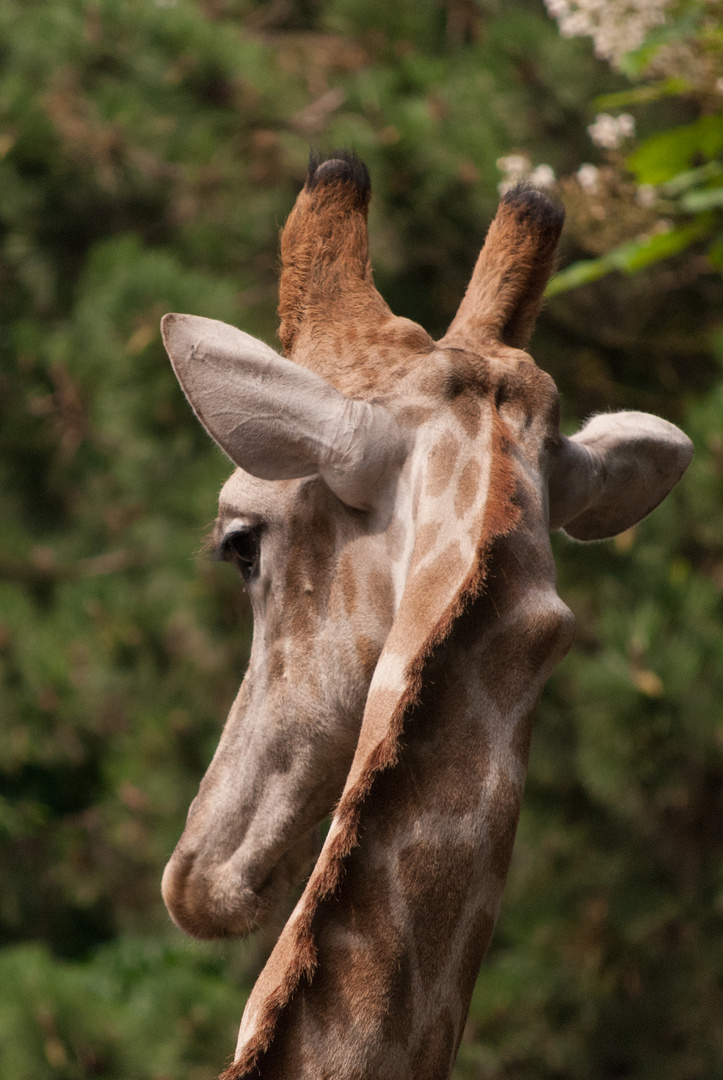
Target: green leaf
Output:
{"points": [[644, 252], [579, 273], [662, 157], [641, 95], [715, 256], [629, 258], [691, 177], [693, 202]]}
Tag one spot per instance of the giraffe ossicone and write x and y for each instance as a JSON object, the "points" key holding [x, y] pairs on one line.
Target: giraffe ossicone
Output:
{"points": [[390, 514]]}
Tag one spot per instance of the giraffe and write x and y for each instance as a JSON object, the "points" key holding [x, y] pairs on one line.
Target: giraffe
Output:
{"points": [[390, 514]]}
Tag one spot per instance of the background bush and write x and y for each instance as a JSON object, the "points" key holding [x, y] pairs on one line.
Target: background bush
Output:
{"points": [[148, 153]]}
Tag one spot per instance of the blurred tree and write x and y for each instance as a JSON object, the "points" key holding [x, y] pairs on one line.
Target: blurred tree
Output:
{"points": [[148, 152]]}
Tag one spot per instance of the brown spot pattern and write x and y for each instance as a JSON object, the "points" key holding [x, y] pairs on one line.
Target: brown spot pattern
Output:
{"points": [[347, 583], [502, 815], [467, 487], [518, 654], [433, 1058], [466, 407], [397, 1025], [396, 535], [368, 979], [440, 465], [434, 880], [308, 577], [381, 595], [428, 592], [415, 415], [522, 737], [426, 540], [280, 755], [368, 652], [447, 758], [473, 953], [277, 663], [451, 774]]}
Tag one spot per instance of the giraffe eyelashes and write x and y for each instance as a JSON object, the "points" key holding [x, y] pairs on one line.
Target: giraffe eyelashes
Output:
{"points": [[241, 547]]}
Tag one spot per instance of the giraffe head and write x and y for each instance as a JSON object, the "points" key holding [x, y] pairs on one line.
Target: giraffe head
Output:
{"points": [[376, 471]]}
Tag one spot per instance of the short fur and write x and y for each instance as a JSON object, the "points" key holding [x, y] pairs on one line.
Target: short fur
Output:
{"points": [[331, 313], [505, 294]]}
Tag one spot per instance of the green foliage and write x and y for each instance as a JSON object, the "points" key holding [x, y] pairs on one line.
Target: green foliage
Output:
{"points": [[148, 152], [662, 157], [140, 1010], [682, 161], [630, 258]]}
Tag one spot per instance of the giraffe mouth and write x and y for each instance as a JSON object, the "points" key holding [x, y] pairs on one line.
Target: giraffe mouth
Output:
{"points": [[219, 900]]}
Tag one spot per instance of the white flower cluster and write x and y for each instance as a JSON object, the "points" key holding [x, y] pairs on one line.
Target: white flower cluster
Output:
{"points": [[517, 167], [616, 26], [609, 131], [588, 177], [646, 195]]}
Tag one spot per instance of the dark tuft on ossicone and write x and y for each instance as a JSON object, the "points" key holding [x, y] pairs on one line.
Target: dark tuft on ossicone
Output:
{"points": [[342, 165], [535, 209]]}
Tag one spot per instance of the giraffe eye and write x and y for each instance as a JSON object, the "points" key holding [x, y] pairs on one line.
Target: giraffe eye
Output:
{"points": [[242, 549]]}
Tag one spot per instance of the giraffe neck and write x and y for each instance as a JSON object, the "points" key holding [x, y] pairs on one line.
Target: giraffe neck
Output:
{"points": [[399, 943]]}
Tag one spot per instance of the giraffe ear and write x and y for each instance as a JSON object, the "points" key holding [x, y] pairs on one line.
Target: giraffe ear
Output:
{"points": [[275, 419], [613, 472]]}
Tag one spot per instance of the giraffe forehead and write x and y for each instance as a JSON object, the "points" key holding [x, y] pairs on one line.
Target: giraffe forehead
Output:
{"points": [[461, 383], [500, 373]]}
